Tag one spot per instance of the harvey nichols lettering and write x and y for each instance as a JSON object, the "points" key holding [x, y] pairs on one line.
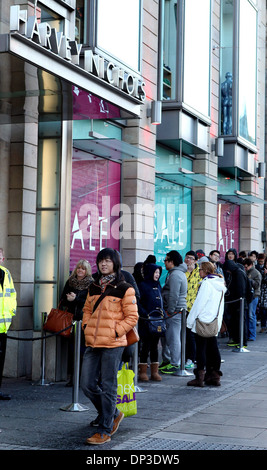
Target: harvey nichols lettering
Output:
{"points": [[59, 44]]}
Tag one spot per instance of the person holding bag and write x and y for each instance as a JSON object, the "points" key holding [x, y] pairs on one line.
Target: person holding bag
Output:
{"points": [[208, 309], [150, 301], [109, 313]]}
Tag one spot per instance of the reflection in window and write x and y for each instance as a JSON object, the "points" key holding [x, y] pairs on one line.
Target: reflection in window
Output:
{"points": [[169, 49], [196, 81], [118, 30], [247, 71], [226, 67], [54, 20], [79, 22]]}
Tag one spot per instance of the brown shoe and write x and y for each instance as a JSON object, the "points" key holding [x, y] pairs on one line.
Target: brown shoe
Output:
{"points": [[98, 439], [117, 422]]}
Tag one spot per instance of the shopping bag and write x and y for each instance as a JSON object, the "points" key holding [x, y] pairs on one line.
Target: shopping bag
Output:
{"points": [[126, 401]]}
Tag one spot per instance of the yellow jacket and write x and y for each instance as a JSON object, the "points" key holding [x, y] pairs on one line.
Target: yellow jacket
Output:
{"points": [[193, 282], [8, 301]]}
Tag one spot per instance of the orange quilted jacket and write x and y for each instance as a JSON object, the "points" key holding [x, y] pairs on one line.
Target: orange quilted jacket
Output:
{"points": [[116, 314]]}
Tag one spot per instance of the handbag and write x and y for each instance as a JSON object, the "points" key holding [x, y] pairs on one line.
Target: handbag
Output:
{"points": [[157, 323], [208, 330], [132, 336], [126, 401], [59, 321]]}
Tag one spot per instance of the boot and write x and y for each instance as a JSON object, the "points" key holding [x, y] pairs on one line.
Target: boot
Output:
{"points": [[199, 380], [142, 375], [154, 371], [213, 378]]}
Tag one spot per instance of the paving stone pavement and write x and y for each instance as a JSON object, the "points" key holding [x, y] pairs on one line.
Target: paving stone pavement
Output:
{"points": [[171, 416]]}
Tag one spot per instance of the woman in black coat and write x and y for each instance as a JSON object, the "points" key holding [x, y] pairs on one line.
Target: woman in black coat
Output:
{"points": [[150, 299], [73, 298]]}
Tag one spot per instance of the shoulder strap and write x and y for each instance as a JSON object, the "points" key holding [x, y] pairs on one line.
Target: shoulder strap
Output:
{"points": [[100, 298], [106, 291]]}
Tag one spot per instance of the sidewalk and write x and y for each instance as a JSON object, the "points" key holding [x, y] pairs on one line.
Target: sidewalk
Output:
{"points": [[171, 415]]}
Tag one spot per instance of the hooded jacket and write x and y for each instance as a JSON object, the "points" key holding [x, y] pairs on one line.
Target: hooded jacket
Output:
{"points": [[150, 291], [114, 316], [236, 280], [209, 300], [150, 296], [175, 289]]}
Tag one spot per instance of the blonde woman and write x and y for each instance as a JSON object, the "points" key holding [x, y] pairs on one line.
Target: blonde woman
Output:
{"points": [[73, 298]]}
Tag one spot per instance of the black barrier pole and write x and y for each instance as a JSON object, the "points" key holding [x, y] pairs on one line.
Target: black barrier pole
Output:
{"points": [[241, 328], [181, 371], [75, 406]]}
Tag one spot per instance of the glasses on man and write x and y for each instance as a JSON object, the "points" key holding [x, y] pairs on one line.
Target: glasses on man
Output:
{"points": [[166, 259], [190, 257]]}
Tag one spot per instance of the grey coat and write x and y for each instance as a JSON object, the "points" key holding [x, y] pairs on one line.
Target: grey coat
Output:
{"points": [[255, 277], [175, 289]]}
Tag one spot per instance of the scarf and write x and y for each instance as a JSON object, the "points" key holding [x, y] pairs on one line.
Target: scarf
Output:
{"points": [[80, 284], [104, 280]]}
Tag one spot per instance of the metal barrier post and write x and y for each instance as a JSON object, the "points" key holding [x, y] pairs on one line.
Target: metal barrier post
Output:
{"points": [[182, 372], [43, 348], [241, 328], [75, 406]]}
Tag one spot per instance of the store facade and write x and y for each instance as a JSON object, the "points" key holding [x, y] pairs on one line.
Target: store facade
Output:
{"points": [[82, 164], [72, 149]]}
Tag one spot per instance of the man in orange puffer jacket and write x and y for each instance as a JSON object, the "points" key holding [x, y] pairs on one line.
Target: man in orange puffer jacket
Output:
{"points": [[105, 324]]}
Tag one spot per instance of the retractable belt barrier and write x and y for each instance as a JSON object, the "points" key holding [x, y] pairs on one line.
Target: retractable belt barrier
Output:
{"points": [[75, 406]]}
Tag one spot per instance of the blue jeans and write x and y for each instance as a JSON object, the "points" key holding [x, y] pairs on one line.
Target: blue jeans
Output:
{"points": [[99, 383], [252, 319], [173, 340]]}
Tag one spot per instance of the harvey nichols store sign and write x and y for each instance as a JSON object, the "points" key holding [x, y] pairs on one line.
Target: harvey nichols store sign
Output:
{"points": [[59, 44]]}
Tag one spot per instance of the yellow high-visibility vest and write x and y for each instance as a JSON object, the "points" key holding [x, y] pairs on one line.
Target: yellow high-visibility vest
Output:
{"points": [[8, 301]]}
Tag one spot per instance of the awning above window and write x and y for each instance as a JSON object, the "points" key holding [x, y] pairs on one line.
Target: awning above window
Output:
{"points": [[241, 198], [188, 179], [111, 149]]}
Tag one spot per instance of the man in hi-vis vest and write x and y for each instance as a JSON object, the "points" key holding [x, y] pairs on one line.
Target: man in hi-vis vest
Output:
{"points": [[8, 305]]}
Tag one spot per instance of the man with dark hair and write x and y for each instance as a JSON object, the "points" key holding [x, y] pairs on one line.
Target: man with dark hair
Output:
{"points": [[253, 255], [110, 311], [255, 276], [174, 300], [214, 257]]}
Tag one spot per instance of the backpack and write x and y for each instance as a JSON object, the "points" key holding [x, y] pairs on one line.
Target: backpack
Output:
{"points": [[249, 291]]}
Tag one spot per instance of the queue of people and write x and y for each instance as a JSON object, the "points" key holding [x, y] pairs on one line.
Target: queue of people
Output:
{"points": [[110, 302]]}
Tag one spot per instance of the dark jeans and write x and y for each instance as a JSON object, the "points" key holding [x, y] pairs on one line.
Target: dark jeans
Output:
{"points": [[149, 347], [234, 330], [207, 353], [263, 316], [99, 383], [3, 339]]}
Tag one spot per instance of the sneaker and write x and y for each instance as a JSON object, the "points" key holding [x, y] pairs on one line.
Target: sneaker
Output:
{"points": [[232, 343], [169, 369], [117, 422], [98, 439], [189, 364], [163, 365]]}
